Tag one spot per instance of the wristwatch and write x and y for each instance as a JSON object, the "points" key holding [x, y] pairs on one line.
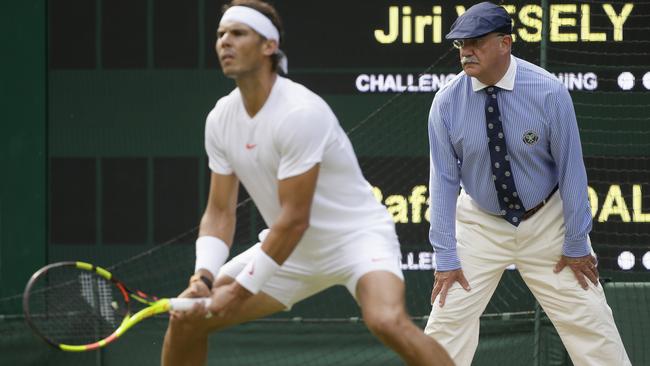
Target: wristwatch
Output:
{"points": [[203, 279], [207, 282]]}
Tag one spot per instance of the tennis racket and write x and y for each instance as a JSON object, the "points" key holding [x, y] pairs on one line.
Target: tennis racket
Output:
{"points": [[76, 306]]}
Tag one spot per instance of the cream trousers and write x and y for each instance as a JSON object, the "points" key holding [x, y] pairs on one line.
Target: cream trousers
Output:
{"points": [[487, 244]]}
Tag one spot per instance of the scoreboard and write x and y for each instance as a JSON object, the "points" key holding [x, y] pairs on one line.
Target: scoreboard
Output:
{"points": [[382, 46]]}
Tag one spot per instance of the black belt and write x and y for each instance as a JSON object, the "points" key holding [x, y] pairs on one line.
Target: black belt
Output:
{"points": [[533, 210]]}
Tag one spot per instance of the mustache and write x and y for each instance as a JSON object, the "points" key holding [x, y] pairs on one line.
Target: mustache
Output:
{"points": [[468, 60]]}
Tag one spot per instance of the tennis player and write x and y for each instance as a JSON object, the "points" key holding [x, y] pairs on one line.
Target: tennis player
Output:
{"points": [[285, 145]]}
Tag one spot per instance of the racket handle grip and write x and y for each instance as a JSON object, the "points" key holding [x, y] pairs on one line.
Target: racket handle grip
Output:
{"points": [[185, 304]]}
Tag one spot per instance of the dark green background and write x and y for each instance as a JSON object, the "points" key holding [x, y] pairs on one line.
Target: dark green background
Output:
{"points": [[101, 147], [23, 149]]}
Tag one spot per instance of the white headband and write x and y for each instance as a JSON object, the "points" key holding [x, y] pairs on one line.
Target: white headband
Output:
{"points": [[259, 23]]}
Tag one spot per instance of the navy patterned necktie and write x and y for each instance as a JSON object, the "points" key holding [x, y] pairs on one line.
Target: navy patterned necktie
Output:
{"points": [[511, 207]]}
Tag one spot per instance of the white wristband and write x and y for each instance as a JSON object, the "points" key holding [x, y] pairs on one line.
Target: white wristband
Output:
{"points": [[211, 254], [263, 234], [257, 272]]}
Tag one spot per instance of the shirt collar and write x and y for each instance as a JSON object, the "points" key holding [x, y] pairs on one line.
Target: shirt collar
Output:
{"points": [[507, 82]]}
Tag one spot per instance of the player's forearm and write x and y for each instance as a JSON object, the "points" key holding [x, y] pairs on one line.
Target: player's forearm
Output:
{"points": [[220, 224], [213, 244], [295, 195], [284, 237]]}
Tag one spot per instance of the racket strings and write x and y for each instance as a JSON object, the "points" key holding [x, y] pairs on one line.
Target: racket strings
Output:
{"points": [[78, 308], [98, 295]]}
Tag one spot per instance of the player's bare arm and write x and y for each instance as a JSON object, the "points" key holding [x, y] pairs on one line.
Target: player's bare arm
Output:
{"points": [[296, 195], [219, 219]]}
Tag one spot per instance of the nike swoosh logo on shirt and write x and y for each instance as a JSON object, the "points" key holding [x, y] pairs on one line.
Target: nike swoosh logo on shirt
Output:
{"points": [[250, 146], [252, 269]]}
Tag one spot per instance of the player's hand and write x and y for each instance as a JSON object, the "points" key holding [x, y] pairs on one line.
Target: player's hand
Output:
{"points": [[443, 282], [228, 297], [195, 288], [582, 267]]}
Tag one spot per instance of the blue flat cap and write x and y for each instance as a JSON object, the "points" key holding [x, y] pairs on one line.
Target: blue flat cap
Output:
{"points": [[479, 20]]}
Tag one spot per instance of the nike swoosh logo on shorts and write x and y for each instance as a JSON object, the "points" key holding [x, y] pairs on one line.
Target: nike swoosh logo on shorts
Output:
{"points": [[380, 259], [250, 146]]}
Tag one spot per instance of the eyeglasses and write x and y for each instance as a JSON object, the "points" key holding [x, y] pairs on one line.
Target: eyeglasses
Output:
{"points": [[475, 42]]}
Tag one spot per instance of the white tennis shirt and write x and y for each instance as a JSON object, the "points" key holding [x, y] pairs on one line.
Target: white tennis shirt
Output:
{"points": [[294, 130]]}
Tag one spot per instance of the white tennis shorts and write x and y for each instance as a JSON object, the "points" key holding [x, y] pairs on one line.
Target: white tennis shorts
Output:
{"points": [[315, 266]]}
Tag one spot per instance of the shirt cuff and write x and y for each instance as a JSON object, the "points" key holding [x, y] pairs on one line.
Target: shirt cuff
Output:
{"points": [[446, 259], [576, 248]]}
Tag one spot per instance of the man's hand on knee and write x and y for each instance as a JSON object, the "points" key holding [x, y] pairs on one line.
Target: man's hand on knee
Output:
{"points": [[584, 268], [443, 282]]}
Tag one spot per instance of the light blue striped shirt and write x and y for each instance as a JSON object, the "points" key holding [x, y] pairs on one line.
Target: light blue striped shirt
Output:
{"points": [[531, 100]]}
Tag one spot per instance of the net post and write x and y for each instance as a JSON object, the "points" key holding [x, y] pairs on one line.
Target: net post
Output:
{"points": [[544, 40], [538, 329]]}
